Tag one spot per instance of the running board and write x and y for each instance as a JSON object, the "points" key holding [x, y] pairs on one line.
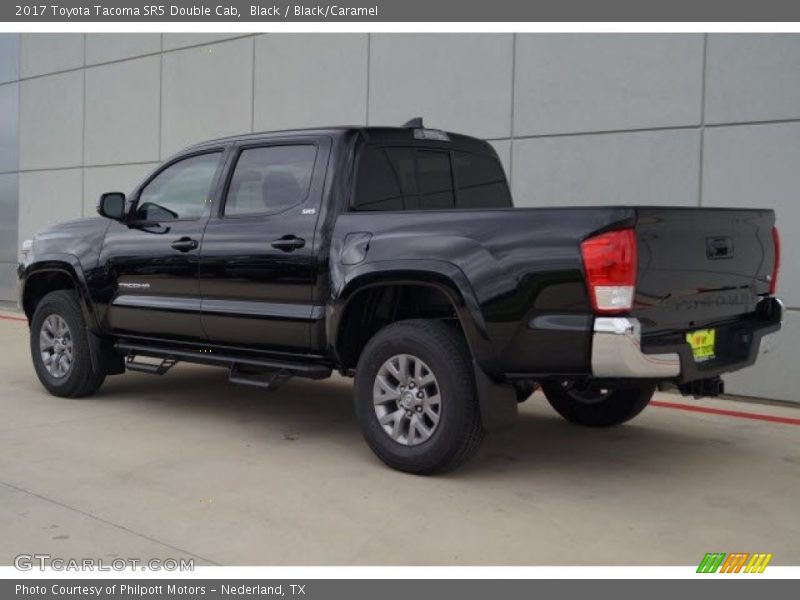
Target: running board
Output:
{"points": [[131, 364], [210, 357], [270, 380]]}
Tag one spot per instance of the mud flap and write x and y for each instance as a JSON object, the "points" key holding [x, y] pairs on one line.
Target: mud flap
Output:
{"points": [[105, 359], [497, 401]]}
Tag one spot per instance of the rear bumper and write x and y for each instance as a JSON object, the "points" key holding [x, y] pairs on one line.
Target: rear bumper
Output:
{"points": [[619, 350]]}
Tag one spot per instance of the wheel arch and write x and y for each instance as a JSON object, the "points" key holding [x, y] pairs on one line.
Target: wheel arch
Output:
{"points": [[440, 286], [55, 273]]}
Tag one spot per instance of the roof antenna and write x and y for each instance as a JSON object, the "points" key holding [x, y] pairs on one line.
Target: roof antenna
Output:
{"points": [[415, 123]]}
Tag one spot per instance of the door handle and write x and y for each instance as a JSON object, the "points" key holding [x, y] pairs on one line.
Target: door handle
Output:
{"points": [[184, 244], [289, 243]]}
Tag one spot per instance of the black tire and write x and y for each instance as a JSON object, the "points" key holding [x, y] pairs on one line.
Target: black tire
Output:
{"points": [[80, 379], [524, 390], [458, 432], [590, 407]]}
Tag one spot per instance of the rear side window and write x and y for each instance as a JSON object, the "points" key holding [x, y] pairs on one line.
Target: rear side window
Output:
{"points": [[270, 179], [423, 179]]}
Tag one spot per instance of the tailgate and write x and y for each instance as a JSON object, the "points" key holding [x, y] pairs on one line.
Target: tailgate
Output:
{"points": [[700, 265]]}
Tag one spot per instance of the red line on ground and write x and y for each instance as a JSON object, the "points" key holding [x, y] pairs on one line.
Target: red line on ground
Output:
{"points": [[727, 413], [8, 318]]}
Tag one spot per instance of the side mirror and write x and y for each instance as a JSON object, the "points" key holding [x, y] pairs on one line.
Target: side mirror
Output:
{"points": [[112, 206]]}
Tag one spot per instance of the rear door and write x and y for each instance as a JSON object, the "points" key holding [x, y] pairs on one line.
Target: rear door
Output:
{"points": [[258, 264], [698, 266], [153, 259]]}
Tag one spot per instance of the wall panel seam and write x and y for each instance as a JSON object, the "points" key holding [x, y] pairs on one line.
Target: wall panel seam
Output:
{"points": [[369, 67], [160, 94], [702, 121], [253, 89], [83, 166], [135, 57], [513, 102], [83, 134], [537, 136]]}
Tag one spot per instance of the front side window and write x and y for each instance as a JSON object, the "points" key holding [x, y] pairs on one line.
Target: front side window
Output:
{"points": [[270, 179], [181, 191]]}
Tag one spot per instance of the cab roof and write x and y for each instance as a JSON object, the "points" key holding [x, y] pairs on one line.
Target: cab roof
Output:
{"points": [[370, 135]]}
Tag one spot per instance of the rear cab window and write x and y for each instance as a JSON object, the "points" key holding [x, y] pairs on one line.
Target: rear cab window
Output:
{"points": [[396, 178]]}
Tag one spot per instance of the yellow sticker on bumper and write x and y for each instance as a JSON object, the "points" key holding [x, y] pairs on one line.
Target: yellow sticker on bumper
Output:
{"points": [[702, 343]]}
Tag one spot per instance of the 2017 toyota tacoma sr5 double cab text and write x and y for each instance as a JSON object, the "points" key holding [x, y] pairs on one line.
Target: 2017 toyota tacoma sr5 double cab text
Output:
{"points": [[395, 256]]}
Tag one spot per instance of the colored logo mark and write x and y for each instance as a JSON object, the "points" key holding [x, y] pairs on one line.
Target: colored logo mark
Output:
{"points": [[738, 562]]}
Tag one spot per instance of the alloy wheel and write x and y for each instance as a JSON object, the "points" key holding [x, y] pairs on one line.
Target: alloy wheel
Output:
{"points": [[407, 399], [55, 346]]}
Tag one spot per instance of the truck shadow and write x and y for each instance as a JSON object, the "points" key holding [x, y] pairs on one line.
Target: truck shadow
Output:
{"points": [[655, 443]]}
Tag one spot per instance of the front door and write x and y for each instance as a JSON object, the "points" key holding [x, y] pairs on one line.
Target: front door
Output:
{"points": [[258, 262], [151, 261]]}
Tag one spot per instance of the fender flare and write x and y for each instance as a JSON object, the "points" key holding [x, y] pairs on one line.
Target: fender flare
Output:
{"points": [[441, 275], [70, 266]]}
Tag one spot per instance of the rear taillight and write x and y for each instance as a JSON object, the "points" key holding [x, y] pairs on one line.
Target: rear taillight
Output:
{"points": [[773, 281], [609, 260]]}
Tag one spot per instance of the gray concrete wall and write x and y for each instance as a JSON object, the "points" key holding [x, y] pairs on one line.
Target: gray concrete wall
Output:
{"points": [[685, 119]]}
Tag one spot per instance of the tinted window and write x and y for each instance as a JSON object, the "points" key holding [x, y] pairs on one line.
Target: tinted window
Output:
{"points": [[378, 185], [435, 179], [481, 181], [422, 179], [181, 191], [403, 162], [270, 179]]}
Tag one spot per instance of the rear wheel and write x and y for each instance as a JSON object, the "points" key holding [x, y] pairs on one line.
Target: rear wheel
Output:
{"points": [[415, 397], [598, 405], [60, 347]]}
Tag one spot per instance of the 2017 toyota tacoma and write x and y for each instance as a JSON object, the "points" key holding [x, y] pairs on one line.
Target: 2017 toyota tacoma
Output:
{"points": [[395, 256]]}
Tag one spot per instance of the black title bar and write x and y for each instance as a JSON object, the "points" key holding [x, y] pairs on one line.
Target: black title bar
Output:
{"points": [[403, 10]]}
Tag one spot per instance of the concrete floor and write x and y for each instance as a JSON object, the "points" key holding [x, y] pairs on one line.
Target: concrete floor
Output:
{"points": [[189, 466]]}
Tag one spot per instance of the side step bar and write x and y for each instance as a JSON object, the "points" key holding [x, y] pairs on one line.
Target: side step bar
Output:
{"points": [[236, 364], [131, 364], [270, 380]]}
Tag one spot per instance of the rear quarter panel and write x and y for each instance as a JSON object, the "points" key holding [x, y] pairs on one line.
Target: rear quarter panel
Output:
{"points": [[520, 274]]}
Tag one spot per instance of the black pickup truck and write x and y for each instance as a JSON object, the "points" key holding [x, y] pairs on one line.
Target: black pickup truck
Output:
{"points": [[395, 256]]}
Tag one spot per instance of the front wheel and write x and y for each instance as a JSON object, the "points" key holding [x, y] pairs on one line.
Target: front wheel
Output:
{"points": [[415, 397], [60, 347], [598, 405]]}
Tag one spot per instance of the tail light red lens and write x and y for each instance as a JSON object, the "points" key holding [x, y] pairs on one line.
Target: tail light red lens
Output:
{"points": [[773, 282], [609, 260]]}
